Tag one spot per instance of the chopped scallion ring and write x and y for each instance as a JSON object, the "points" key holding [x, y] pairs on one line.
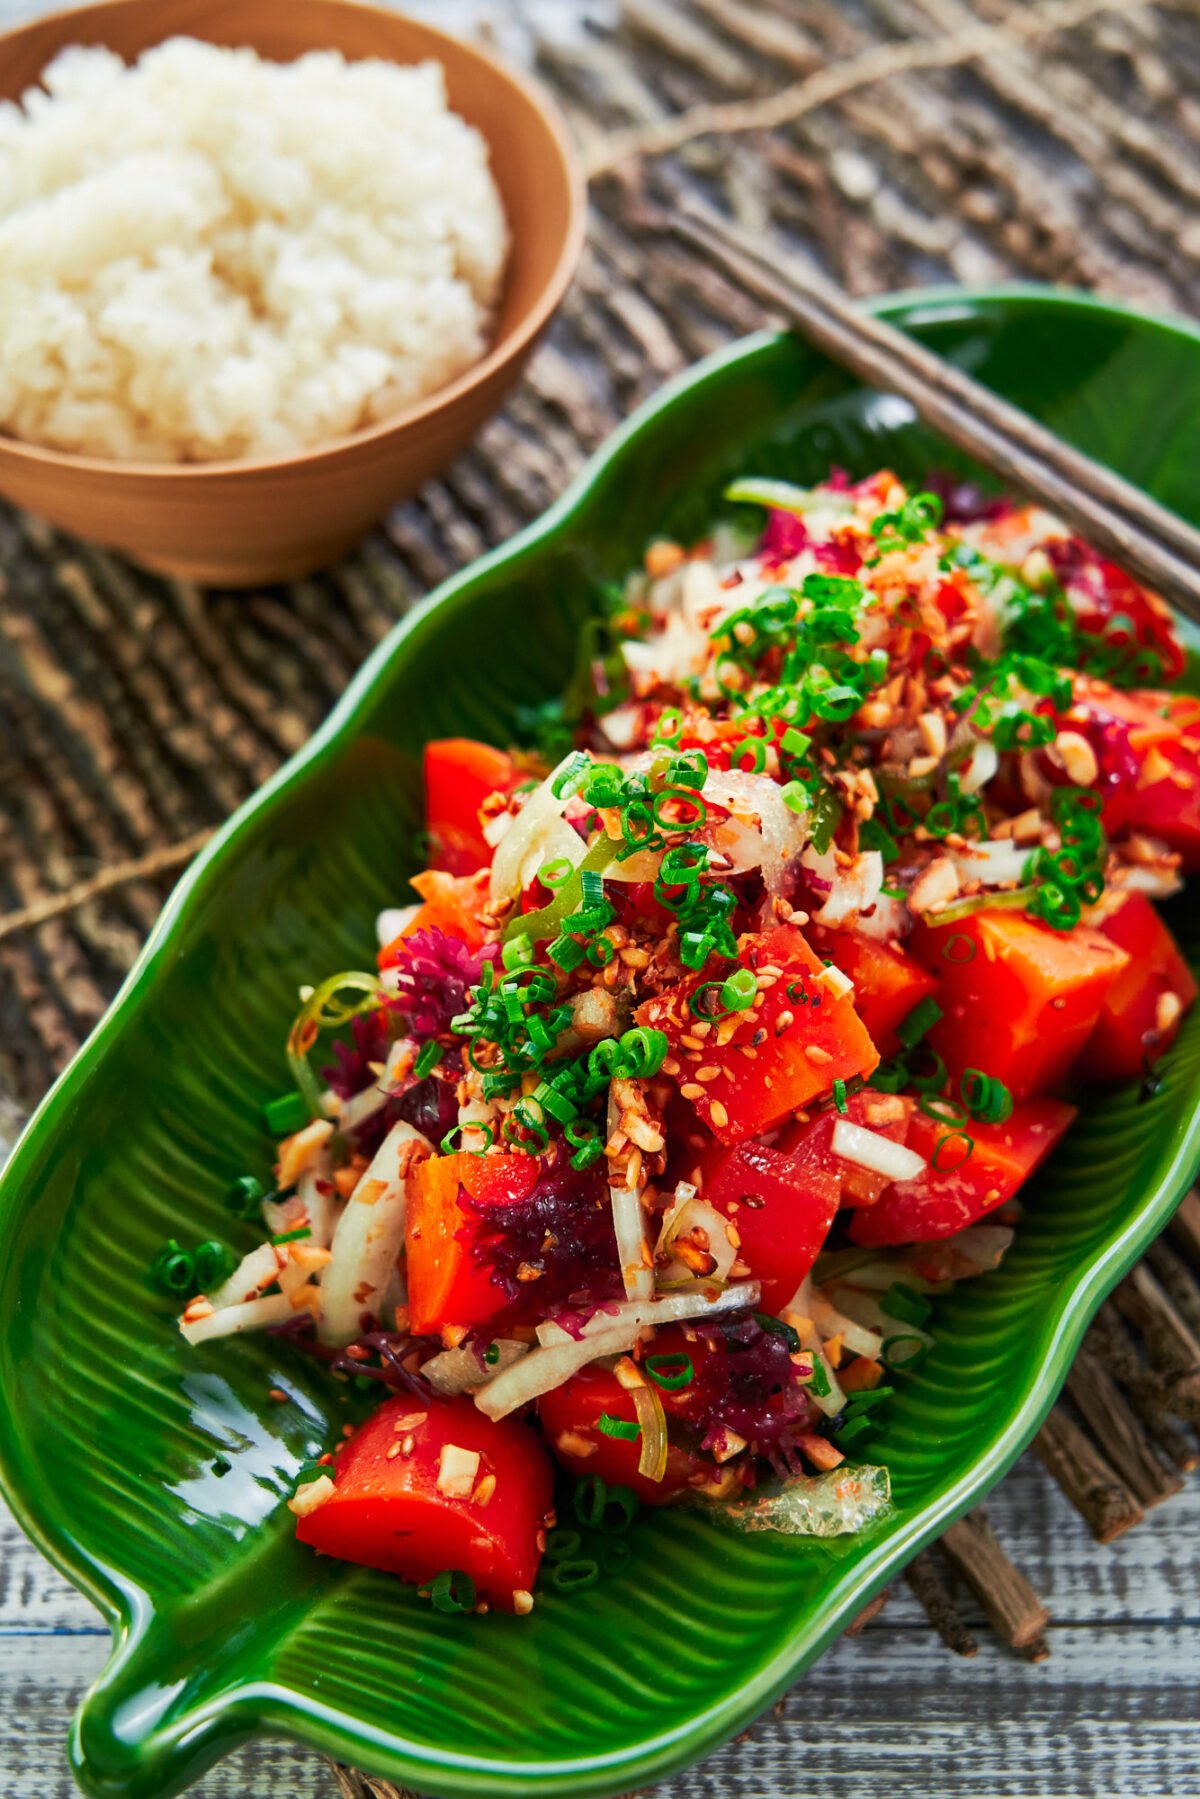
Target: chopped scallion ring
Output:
{"points": [[452, 1591], [670, 1372]]}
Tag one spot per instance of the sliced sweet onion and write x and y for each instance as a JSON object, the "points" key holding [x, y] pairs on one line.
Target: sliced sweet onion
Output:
{"points": [[652, 1454], [255, 1271], [868, 1311], [650, 1314], [361, 1105], [680, 1221], [456, 1370], [800, 1316], [784, 832], [538, 834], [252, 1315], [813, 1306], [392, 920], [671, 654], [1159, 883], [870, 1149], [629, 1224], [848, 890], [544, 1369], [996, 861], [368, 1241], [981, 764]]}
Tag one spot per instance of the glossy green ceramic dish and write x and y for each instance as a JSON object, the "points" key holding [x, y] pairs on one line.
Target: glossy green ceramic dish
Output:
{"points": [[154, 1476]]}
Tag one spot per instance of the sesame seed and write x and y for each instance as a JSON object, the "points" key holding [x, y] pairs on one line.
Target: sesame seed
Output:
{"points": [[816, 1054]]}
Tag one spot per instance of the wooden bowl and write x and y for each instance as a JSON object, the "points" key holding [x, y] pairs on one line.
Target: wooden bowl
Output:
{"points": [[237, 523]]}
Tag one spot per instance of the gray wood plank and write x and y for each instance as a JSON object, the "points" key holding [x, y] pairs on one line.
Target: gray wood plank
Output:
{"points": [[888, 1714], [1111, 1713]]}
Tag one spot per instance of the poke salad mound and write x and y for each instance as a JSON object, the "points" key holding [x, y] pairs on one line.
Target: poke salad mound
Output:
{"points": [[727, 1027]]}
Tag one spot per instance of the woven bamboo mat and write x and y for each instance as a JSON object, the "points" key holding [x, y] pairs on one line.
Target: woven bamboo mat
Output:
{"points": [[899, 142]]}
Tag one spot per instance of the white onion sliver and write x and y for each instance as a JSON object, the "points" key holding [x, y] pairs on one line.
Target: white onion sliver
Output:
{"points": [[367, 1242], [682, 1219], [258, 1269], [650, 1313], [254, 1315], [851, 890], [870, 1149], [544, 1369], [392, 920], [454, 1370], [533, 838], [784, 832], [980, 765], [629, 1226], [361, 1106], [996, 861]]}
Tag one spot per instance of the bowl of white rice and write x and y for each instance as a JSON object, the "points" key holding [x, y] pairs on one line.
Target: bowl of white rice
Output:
{"points": [[263, 269]]}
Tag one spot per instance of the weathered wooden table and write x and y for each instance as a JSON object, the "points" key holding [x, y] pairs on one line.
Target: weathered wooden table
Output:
{"points": [[911, 141]]}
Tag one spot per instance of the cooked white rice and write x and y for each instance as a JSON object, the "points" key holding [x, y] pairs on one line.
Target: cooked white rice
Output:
{"points": [[209, 255]]}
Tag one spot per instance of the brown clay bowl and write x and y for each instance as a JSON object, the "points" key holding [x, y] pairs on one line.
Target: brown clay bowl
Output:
{"points": [[237, 523]]}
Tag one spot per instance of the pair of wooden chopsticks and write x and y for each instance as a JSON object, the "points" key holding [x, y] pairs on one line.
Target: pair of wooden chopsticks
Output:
{"points": [[1116, 518]]}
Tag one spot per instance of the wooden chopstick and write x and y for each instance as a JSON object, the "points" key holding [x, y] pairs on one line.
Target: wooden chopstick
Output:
{"points": [[1116, 518]]}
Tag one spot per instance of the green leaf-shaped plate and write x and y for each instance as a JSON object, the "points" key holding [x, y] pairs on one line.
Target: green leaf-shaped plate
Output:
{"points": [[154, 1476]]}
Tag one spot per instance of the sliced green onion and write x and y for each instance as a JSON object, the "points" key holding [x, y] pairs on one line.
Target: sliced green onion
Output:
{"points": [[574, 1575], [933, 1079], [556, 873], [517, 953], [173, 1270], [678, 797], [920, 1020], [985, 1096], [854, 1428], [245, 1196], [570, 776], [608, 1426], [446, 1146], [428, 1059], [946, 1161], [775, 1327], [795, 796], [452, 1591], [297, 1236], [522, 1123], [839, 1097], [904, 1302], [943, 1108], [667, 727], [756, 749], [739, 991], [566, 954], [819, 1380], [890, 1352], [670, 1372], [642, 1052], [286, 1115], [604, 1508], [959, 948], [561, 1544], [867, 1399]]}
